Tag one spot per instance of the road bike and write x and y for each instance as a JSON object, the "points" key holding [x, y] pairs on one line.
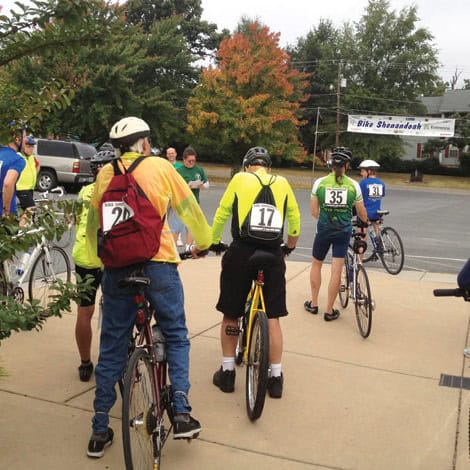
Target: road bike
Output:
{"points": [[386, 246], [253, 337], [355, 285], [147, 413], [40, 268]]}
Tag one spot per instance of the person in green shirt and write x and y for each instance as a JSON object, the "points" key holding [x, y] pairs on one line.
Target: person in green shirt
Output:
{"points": [[332, 201], [196, 178]]}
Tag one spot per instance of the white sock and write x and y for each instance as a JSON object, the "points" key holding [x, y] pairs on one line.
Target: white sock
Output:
{"points": [[276, 370], [228, 363]]}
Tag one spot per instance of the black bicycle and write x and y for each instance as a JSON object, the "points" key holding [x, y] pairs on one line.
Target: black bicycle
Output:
{"points": [[386, 246]]}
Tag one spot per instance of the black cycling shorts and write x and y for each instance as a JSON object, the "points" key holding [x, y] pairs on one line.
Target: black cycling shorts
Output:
{"points": [[26, 198], [97, 273], [236, 279]]}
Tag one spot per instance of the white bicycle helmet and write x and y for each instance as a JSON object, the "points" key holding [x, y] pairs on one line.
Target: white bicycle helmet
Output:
{"points": [[128, 130], [369, 164]]}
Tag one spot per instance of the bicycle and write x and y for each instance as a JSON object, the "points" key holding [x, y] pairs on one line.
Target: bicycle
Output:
{"points": [[57, 216], [43, 266], [386, 246], [355, 285], [147, 413], [253, 337]]}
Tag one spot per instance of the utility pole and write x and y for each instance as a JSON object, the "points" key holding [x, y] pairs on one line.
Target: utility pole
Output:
{"points": [[315, 141], [338, 99]]}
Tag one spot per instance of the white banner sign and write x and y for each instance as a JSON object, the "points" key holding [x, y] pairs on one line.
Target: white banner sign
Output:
{"points": [[401, 125]]}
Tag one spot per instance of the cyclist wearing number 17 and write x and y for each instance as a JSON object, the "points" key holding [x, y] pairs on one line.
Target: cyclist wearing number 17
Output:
{"points": [[163, 186], [332, 201], [250, 229]]}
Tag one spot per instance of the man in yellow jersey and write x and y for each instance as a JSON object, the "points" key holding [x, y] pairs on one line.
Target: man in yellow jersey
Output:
{"points": [[27, 180], [240, 201], [163, 186], [87, 263]]}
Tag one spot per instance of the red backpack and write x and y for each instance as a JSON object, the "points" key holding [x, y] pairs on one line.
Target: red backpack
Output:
{"points": [[130, 226]]}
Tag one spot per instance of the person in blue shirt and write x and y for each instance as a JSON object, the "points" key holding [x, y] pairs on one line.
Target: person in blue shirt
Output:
{"points": [[11, 166], [373, 190]]}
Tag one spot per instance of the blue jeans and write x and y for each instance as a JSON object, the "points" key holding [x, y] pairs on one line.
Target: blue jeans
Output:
{"points": [[165, 293]]}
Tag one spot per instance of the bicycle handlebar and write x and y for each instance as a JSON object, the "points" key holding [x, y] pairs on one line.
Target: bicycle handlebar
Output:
{"points": [[457, 292], [217, 248]]}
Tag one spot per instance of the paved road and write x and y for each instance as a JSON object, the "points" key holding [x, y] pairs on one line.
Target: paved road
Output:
{"points": [[434, 226]]}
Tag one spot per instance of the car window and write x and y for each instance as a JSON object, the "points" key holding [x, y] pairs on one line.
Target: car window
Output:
{"points": [[84, 150], [55, 148]]}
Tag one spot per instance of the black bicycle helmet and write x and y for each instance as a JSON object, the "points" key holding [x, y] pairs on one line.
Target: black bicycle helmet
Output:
{"points": [[100, 159], [341, 155], [128, 130], [257, 156]]}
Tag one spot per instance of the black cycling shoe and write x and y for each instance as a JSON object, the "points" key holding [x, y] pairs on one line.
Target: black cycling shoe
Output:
{"points": [[85, 370], [309, 308], [334, 315]]}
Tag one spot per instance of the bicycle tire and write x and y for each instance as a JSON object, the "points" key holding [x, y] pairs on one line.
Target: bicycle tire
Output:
{"points": [[257, 366], [393, 254], [43, 275], [363, 302], [344, 286], [140, 419]]}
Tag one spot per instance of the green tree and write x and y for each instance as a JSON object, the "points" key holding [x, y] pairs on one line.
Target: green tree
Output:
{"points": [[251, 97], [387, 61]]}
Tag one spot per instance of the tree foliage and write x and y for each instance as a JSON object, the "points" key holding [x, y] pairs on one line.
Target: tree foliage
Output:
{"points": [[251, 97], [387, 61]]}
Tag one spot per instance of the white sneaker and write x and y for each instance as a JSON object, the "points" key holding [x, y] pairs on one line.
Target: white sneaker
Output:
{"points": [[466, 352], [179, 242]]}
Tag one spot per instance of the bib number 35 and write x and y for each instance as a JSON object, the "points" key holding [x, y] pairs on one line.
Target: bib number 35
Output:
{"points": [[336, 197]]}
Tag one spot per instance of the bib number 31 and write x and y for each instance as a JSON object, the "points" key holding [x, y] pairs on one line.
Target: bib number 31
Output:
{"points": [[115, 213]]}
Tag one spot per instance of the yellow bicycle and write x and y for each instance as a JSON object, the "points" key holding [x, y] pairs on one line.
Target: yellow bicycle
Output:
{"points": [[253, 337]]}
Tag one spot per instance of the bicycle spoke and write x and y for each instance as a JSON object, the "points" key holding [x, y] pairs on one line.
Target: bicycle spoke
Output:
{"points": [[363, 302], [392, 253]]}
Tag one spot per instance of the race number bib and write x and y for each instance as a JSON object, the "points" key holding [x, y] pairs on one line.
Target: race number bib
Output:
{"points": [[336, 197], [375, 191], [115, 213], [265, 218]]}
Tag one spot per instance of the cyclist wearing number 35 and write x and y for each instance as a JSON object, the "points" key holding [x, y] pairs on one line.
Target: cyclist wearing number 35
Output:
{"points": [[332, 201], [259, 203]]}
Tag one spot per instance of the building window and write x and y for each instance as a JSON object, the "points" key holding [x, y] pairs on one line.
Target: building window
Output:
{"points": [[419, 150]]}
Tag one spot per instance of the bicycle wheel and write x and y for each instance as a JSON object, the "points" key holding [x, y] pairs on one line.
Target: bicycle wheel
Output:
{"points": [[393, 254], [257, 367], [52, 264], [363, 302], [344, 286], [140, 420]]}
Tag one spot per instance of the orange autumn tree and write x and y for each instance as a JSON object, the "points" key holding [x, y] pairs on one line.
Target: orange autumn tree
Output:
{"points": [[252, 97]]}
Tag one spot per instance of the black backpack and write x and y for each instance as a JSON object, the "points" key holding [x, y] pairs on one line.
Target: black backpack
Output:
{"points": [[264, 223]]}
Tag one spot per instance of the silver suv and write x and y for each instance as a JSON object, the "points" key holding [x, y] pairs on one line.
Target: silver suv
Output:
{"points": [[63, 163]]}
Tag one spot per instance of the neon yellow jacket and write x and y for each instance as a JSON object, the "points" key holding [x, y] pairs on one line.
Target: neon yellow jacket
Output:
{"points": [[163, 186], [240, 195], [29, 175]]}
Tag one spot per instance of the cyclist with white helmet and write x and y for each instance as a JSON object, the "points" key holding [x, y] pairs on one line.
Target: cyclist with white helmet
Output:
{"points": [[163, 186], [332, 201], [373, 190], [87, 263]]}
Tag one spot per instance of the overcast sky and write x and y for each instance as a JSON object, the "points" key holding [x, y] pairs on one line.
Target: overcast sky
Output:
{"points": [[448, 21]]}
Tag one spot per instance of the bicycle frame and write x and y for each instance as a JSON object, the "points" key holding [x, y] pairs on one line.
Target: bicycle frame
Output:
{"points": [[256, 299]]}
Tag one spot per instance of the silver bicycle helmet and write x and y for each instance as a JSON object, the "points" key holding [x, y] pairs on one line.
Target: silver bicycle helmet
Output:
{"points": [[128, 130], [257, 156]]}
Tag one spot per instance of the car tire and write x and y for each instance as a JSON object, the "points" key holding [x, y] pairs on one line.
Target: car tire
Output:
{"points": [[47, 180]]}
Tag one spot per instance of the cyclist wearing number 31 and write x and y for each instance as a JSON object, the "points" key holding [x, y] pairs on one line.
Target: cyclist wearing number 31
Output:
{"points": [[332, 201], [256, 217]]}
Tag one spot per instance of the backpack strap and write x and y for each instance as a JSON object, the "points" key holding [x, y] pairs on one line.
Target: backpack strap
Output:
{"points": [[270, 182], [132, 167]]}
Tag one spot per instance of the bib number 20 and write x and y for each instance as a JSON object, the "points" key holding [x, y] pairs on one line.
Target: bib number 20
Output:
{"points": [[115, 213]]}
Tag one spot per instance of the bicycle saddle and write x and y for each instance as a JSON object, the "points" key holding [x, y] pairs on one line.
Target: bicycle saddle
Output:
{"points": [[261, 260], [133, 281]]}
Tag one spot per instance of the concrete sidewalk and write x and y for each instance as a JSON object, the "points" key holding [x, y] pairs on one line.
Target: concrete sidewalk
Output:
{"points": [[348, 403]]}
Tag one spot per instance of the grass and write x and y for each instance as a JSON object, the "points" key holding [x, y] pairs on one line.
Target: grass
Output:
{"points": [[302, 178]]}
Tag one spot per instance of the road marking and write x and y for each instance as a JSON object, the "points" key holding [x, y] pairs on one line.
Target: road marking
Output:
{"points": [[434, 257]]}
